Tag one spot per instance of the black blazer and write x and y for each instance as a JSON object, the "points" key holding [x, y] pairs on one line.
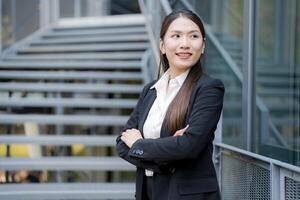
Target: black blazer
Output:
{"points": [[183, 164]]}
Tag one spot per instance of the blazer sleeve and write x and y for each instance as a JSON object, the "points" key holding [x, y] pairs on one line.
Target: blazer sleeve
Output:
{"points": [[122, 148], [203, 119]]}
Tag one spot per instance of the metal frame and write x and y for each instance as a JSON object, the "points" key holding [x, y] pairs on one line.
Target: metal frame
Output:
{"points": [[248, 86], [278, 170]]}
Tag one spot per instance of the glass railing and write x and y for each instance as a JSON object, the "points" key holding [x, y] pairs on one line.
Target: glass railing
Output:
{"points": [[278, 78], [216, 66], [19, 19]]}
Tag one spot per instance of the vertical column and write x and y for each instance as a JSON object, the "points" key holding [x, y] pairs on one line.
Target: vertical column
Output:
{"points": [[1, 27], [275, 181], [77, 11], [54, 10], [98, 7], [248, 88], [216, 15], [13, 22], [44, 13]]}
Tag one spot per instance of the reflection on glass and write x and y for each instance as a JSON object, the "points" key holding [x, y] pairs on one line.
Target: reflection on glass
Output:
{"points": [[227, 24], [278, 80], [216, 66]]}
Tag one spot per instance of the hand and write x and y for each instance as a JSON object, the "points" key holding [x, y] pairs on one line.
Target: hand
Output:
{"points": [[130, 136], [181, 131]]}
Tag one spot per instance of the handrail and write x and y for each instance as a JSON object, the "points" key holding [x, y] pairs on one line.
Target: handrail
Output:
{"points": [[166, 6], [259, 157], [145, 68], [153, 42]]}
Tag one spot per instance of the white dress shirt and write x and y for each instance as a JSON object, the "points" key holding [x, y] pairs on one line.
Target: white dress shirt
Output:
{"points": [[166, 90]]}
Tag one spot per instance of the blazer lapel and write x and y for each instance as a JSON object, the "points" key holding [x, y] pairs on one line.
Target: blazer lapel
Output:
{"points": [[148, 101]]}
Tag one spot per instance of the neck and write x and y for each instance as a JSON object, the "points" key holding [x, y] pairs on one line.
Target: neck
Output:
{"points": [[175, 73]]}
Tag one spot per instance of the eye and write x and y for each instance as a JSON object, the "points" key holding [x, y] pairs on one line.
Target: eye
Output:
{"points": [[175, 36], [194, 36]]}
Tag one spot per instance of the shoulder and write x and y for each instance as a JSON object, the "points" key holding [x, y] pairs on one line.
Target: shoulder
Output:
{"points": [[147, 87], [207, 81]]}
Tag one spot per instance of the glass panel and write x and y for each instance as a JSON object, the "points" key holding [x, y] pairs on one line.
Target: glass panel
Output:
{"points": [[277, 80], [7, 28], [83, 8], [226, 20], [66, 8], [216, 66], [204, 7], [27, 18], [228, 31], [19, 19]]}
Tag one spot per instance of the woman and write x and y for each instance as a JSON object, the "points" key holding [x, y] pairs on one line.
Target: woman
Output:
{"points": [[170, 132]]}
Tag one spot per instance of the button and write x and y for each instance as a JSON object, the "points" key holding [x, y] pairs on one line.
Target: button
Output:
{"points": [[172, 170]]}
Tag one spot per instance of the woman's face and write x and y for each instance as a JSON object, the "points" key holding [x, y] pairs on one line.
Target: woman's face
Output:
{"points": [[182, 44]]}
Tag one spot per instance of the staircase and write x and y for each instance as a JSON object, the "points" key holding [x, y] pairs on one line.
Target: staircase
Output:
{"points": [[77, 83]]}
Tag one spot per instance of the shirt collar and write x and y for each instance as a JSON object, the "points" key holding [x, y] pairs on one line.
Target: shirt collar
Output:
{"points": [[165, 78]]}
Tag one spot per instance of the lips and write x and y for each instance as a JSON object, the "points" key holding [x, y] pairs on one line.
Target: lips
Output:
{"points": [[183, 55]]}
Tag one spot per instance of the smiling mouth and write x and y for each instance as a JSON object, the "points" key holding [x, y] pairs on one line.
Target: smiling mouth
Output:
{"points": [[183, 55]]}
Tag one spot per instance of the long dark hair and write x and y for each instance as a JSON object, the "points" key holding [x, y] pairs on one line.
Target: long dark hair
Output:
{"points": [[176, 113]]}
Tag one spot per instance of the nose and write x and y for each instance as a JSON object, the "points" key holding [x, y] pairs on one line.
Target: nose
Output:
{"points": [[184, 43]]}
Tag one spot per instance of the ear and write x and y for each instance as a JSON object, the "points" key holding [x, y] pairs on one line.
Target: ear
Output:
{"points": [[162, 47], [203, 48]]}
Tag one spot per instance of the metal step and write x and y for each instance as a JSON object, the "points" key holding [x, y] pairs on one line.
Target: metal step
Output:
{"points": [[101, 21], [92, 39], [278, 121], [273, 107], [66, 163], [71, 87], [86, 47], [98, 120], [60, 140], [266, 92], [99, 32], [74, 191], [121, 55], [68, 102], [71, 65], [69, 75]]}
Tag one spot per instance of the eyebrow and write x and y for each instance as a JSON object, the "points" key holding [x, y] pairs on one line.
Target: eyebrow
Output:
{"points": [[192, 31]]}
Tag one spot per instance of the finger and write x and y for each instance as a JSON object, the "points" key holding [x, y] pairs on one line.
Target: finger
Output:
{"points": [[187, 126], [122, 138]]}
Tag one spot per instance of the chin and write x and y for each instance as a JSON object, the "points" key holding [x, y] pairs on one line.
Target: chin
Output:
{"points": [[185, 65]]}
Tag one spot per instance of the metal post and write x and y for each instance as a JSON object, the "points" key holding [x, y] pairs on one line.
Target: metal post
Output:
{"points": [[13, 16], [275, 181], [98, 7], [77, 11], [291, 57], [279, 31], [248, 93], [44, 13], [1, 27], [215, 14], [54, 10], [217, 152]]}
